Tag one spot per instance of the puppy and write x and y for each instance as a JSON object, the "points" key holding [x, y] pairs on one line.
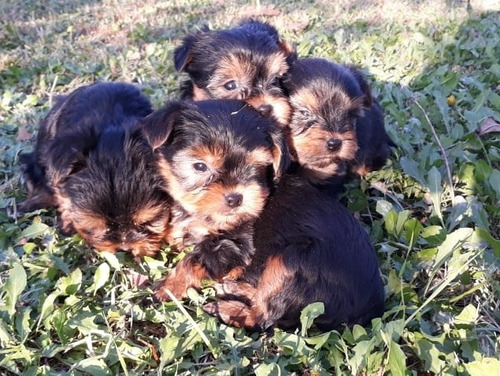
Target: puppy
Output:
{"points": [[337, 127], [219, 159], [92, 163], [308, 248], [245, 62]]}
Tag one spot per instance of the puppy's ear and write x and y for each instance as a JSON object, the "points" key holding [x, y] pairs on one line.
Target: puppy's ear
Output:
{"points": [[67, 164], [287, 48], [365, 87], [158, 126], [183, 54], [281, 154]]}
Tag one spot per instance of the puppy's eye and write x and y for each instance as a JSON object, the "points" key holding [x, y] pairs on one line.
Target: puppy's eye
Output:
{"points": [[305, 113], [275, 81], [200, 166], [156, 225], [231, 85], [308, 125]]}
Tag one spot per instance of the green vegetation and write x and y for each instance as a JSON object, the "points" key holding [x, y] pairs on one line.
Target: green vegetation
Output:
{"points": [[433, 213]]}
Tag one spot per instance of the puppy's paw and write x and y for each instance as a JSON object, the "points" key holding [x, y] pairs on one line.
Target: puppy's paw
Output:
{"points": [[232, 312], [170, 283]]}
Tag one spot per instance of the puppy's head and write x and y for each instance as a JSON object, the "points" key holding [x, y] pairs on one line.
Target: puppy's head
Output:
{"points": [[246, 62], [73, 125], [218, 157], [327, 100], [112, 196]]}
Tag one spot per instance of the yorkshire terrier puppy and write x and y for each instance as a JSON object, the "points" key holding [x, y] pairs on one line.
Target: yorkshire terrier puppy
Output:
{"points": [[308, 248], [246, 62], [92, 163], [337, 127], [219, 159]]}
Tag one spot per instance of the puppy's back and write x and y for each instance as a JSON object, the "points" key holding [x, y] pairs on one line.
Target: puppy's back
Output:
{"points": [[326, 253], [72, 128]]}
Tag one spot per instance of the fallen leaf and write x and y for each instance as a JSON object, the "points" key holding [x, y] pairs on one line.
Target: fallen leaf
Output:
{"points": [[488, 125], [451, 101], [23, 134]]}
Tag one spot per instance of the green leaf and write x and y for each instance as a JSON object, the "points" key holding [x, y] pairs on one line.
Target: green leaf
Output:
{"points": [[358, 332], [397, 360], [94, 366], [412, 168], [434, 184], [292, 343], [383, 207], [434, 235], [33, 231], [390, 222], [308, 314], [494, 181], [430, 354], [318, 341], [5, 338], [70, 284], [360, 353], [111, 260], [402, 218], [267, 370], [486, 236], [468, 315], [48, 306], [483, 367], [16, 283], [413, 230], [23, 323], [453, 240], [101, 276]]}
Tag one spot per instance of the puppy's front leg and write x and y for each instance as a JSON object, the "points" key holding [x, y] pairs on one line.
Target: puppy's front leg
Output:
{"points": [[189, 272], [215, 258]]}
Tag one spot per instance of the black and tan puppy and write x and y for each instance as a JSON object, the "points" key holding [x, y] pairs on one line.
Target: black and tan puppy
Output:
{"points": [[245, 62], [337, 127], [308, 248], [92, 163], [219, 160]]}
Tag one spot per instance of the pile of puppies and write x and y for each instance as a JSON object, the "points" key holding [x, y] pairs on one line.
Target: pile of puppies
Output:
{"points": [[245, 167]]}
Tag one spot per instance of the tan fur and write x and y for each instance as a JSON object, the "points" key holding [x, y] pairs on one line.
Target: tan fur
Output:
{"points": [[238, 314], [185, 275], [231, 68], [281, 108], [259, 157]]}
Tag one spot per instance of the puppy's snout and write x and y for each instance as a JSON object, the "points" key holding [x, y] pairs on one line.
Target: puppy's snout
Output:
{"points": [[333, 144], [234, 200], [265, 109]]}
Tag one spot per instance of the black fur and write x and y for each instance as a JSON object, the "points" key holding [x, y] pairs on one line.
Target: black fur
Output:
{"points": [[71, 129], [330, 79], [199, 53], [229, 130], [93, 162], [326, 255]]}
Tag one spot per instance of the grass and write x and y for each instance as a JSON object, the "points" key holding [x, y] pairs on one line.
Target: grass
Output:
{"points": [[433, 213]]}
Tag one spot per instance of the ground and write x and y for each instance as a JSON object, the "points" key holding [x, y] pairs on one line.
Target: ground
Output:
{"points": [[433, 213]]}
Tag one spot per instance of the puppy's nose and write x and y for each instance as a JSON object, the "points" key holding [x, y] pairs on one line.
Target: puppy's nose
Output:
{"points": [[265, 109], [234, 200], [334, 144]]}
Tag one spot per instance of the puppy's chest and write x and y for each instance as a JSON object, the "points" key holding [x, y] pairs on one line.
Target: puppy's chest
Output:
{"points": [[185, 230]]}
